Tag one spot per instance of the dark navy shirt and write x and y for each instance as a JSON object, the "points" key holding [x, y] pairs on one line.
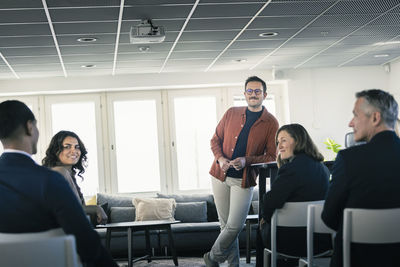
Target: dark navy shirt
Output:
{"points": [[241, 144]]}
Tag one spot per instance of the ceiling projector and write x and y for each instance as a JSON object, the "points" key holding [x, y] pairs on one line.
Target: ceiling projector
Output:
{"points": [[146, 33]]}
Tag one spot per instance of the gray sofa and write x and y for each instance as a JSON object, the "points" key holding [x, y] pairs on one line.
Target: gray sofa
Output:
{"points": [[196, 233]]}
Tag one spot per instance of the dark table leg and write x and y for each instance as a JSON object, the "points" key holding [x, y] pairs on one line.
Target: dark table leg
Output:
{"points": [[264, 173], [248, 241], [129, 247], [172, 245], [108, 239], [148, 248], [261, 192]]}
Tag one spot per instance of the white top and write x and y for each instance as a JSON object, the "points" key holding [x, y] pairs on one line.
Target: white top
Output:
{"points": [[9, 150]]}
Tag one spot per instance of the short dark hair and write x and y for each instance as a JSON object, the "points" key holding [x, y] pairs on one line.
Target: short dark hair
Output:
{"points": [[256, 79], [303, 142], [384, 103], [56, 146], [13, 115]]}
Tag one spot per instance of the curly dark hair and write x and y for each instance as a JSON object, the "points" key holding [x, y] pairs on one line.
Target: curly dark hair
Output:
{"points": [[56, 146], [303, 142]]}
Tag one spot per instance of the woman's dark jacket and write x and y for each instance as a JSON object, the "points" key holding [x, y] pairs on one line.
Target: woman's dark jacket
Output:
{"points": [[301, 179]]}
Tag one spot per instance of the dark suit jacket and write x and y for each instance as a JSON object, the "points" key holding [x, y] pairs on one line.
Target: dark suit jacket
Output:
{"points": [[34, 198], [302, 179], [365, 176]]}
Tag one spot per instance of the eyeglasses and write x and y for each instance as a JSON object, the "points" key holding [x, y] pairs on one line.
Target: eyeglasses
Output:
{"points": [[256, 91]]}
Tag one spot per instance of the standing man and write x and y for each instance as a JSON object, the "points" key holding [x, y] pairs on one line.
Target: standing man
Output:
{"points": [[367, 176], [34, 198], [244, 136]]}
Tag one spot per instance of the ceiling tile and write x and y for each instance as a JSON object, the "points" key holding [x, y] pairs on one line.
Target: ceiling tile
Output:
{"points": [[363, 7], [295, 8], [22, 16]]}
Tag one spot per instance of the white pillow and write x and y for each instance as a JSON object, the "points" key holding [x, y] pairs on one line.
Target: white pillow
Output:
{"points": [[148, 209]]}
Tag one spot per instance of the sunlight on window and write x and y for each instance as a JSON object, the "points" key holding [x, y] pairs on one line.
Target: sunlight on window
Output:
{"points": [[79, 117], [195, 119], [136, 138], [269, 102]]}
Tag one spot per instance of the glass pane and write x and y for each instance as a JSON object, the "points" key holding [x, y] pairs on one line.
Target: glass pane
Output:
{"points": [[136, 141], [269, 102], [195, 121], [79, 117]]}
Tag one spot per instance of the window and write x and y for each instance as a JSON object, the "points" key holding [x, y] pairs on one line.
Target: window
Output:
{"points": [[194, 122], [78, 115], [136, 142], [275, 102]]}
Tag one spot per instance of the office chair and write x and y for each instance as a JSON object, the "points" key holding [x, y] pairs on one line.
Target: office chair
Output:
{"points": [[292, 214], [315, 225], [49, 248], [369, 226], [349, 140]]}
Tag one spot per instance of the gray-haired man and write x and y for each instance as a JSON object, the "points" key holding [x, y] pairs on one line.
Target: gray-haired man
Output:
{"points": [[367, 176]]}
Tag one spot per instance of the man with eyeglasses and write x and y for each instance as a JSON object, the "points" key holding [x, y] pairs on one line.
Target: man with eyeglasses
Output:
{"points": [[244, 136]]}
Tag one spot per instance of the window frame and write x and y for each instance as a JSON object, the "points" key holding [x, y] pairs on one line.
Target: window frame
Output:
{"points": [[136, 95], [215, 92], [76, 98]]}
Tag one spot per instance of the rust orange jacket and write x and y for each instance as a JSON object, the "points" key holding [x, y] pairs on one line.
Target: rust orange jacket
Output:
{"points": [[260, 143]]}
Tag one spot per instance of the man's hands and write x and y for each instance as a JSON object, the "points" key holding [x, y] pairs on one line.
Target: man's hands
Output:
{"points": [[238, 163], [224, 163]]}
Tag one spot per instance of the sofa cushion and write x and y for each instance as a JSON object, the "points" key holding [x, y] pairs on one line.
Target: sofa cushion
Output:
{"points": [[114, 200], [122, 214], [212, 215], [191, 211], [148, 209]]}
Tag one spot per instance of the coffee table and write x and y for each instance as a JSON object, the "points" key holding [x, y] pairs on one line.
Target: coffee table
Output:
{"points": [[142, 226]]}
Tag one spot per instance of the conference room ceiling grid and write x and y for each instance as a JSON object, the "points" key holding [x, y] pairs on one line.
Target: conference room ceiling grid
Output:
{"points": [[342, 31]]}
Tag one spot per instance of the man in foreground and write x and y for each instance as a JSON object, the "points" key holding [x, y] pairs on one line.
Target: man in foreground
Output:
{"points": [[34, 198], [367, 176]]}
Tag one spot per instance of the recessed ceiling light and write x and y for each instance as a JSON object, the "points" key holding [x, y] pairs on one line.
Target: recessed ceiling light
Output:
{"points": [[268, 34], [87, 39], [144, 48], [387, 43], [324, 33], [381, 55], [240, 60], [88, 66]]}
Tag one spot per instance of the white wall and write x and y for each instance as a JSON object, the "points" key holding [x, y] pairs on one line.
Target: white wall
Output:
{"points": [[394, 80], [319, 99], [127, 82], [322, 99]]}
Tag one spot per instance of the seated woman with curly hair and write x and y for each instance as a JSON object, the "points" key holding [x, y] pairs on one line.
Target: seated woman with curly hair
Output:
{"points": [[66, 154]]}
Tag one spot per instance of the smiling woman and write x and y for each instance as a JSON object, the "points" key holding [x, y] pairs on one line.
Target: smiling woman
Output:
{"points": [[66, 154]]}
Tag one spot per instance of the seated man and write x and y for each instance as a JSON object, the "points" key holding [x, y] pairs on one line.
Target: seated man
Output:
{"points": [[367, 176], [34, 198]]}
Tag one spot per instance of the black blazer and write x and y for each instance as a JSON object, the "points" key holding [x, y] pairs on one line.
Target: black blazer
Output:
{"points": [[365, 176], [34, 198], [302, 179]]}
